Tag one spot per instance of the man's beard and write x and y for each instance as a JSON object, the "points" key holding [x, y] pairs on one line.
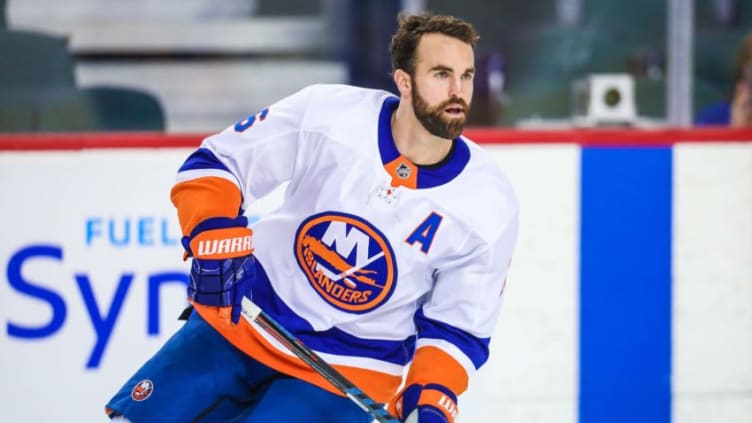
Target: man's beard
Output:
{"points": [[432, 118]]}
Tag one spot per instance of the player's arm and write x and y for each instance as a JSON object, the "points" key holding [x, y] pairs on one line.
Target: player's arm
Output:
{"points": [[217, 239], [228, 171], [454, 329]]}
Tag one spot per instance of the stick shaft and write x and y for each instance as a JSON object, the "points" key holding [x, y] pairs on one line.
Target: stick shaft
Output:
{"points": [[286, 338]]}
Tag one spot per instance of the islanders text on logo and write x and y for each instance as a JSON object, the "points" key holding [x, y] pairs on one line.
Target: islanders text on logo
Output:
{"points": [[346, 260]]}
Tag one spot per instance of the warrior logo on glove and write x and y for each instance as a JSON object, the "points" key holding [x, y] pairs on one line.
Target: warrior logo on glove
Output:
{"points": [[222, 243], [347, 260]]}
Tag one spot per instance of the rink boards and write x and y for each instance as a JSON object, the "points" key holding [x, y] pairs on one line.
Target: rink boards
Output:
{"points": [[630, 296]]}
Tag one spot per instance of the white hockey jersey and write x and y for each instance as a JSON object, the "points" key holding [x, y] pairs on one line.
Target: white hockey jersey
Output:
{"points": [[370, 257]]}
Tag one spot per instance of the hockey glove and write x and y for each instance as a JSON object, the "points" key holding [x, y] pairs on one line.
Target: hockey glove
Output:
{"points": [[430, 403], [222, 270]]}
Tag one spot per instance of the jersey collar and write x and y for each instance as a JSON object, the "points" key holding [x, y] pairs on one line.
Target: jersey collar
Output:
{"points": [[403, 171]]}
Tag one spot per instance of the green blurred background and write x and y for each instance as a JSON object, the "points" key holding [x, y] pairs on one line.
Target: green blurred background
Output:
{"points": [[199, 65]]}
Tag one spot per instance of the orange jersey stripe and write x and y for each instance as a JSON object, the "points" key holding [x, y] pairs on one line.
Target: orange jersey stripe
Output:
{"points": [[379, 386], [432, 365], [202, 198]]}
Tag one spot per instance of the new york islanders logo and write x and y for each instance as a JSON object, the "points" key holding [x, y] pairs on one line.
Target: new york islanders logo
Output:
{"points": [[346, 260], [142, 390]]}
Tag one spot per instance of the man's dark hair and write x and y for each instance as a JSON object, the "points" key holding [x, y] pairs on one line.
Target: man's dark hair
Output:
{"points": [[412, 27]]}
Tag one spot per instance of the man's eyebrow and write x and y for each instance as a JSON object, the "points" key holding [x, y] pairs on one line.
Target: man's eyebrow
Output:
{"points": [[448, 69], [441, 68]]}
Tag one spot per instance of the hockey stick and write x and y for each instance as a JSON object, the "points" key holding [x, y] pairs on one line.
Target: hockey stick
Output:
{"points": [[376, 410]]}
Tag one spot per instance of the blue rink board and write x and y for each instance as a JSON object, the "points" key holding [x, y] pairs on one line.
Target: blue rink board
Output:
{"points": [[625, 285]]}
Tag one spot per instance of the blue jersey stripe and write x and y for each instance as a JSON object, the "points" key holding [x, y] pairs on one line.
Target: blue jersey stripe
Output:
{"points": [[387, 149], [476, 349], [202, 159], [428, 176], [331, 341], [625, 285]]}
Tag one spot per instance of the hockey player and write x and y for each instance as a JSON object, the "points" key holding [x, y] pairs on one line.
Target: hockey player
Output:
{"points": [[388, 256]]}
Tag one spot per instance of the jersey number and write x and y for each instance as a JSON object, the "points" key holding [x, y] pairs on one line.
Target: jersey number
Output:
{"points": [[247, 123]]}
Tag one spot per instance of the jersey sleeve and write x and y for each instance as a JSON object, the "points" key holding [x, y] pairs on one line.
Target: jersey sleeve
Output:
{"points": [[240, 164], [456, 323]]}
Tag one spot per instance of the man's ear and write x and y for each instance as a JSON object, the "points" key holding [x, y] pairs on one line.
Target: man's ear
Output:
{"points": [[404, 82]]}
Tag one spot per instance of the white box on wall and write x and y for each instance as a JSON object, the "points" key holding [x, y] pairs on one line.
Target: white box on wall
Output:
{"points": [[604, 99]]}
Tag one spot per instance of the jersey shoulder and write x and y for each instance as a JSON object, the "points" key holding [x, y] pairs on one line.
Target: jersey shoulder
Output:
{"points": [[333, 101], [344, 113], [484, 195]]}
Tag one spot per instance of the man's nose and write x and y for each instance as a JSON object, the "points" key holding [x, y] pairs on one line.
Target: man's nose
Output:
{"points": [[455, 87]]}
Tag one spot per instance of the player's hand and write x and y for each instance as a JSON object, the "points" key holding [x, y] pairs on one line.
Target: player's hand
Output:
{"points": [[222, 283], [425, 404], [223, 267]]}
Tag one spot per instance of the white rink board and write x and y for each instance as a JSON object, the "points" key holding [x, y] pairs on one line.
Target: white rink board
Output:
{"points": [[531, 376], [712, 298], [53, 195]]}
